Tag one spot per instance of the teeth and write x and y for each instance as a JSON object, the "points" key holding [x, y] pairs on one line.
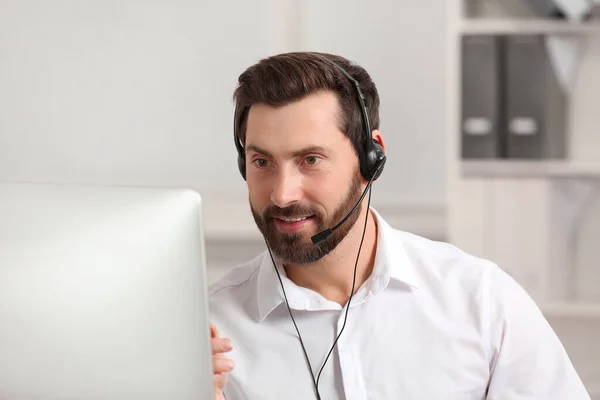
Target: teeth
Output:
{"points": [[293, 219]]}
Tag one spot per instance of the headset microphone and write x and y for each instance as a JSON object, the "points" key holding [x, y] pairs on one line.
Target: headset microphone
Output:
{"points": [[321, 236]]}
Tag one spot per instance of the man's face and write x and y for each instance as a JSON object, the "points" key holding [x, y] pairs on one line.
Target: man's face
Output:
{"points": [[303, 176]]}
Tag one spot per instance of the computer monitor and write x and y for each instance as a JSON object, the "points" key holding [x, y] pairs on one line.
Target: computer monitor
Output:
{"points": [[103, 294]]}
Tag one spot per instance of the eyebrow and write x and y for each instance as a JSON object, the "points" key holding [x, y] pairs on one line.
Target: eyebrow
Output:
{"points": [[297, 153], [256, 149]]}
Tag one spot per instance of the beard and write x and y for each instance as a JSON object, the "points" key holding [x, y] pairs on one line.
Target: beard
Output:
{"points": [[297, 247]]}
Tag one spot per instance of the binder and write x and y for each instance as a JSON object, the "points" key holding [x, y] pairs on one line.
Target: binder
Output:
{"points": [[547, 8], [535, 101], [481, 97]]}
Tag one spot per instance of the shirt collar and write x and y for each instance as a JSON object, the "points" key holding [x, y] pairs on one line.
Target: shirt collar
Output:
{"points": [[391, 259], [391, 263]]}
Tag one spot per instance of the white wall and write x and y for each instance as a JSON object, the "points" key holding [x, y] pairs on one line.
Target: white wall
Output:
{"points": [[402, 45], [124, 91], [139, 92]]}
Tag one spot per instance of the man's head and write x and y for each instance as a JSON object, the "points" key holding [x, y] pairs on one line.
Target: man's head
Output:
{"points": [[302, 133]]}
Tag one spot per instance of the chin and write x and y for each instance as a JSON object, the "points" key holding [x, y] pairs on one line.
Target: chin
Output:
{"points": [[299, 249]]}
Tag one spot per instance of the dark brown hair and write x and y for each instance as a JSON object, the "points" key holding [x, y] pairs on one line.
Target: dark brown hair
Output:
{"points": [[285, 78]]}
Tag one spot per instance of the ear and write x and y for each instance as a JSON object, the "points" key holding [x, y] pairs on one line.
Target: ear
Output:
{"points": [[379, 137]]}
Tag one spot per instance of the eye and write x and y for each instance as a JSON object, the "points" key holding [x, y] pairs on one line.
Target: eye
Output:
{"points": [[261, 162], [312, 160]]}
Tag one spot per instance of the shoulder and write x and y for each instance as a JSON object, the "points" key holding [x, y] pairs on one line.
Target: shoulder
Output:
{"points": [[232, 300], [456, 277], [234, 291], [443, 264], [434, 250], [236, 280], [465, 284]]}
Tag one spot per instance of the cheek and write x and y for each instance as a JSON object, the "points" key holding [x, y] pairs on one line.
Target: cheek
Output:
{"points": [[260, 194], [327, 191]]}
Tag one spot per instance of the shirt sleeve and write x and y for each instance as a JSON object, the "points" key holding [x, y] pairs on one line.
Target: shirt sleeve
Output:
{"points": [[527, 359]]}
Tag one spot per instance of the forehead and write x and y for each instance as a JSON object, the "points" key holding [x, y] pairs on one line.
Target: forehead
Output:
{"points": [[313, 120]]}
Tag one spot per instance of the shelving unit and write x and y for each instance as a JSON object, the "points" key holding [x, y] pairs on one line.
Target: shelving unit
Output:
{"points": [[481, 190], [529, 169], [525, 215]]}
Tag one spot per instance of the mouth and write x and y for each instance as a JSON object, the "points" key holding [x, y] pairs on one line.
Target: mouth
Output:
{"points": [[291, 220], [292, 224]]}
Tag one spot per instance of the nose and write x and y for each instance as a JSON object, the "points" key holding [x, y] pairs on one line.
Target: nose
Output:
{"points": [[287, 190]]}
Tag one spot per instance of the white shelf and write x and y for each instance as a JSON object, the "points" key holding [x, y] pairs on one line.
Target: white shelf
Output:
{"points": [[571, 310], [529, 169], [483, 26]]}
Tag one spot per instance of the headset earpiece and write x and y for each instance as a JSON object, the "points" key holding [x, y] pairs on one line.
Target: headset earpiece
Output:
{"points": [[242, 164], [375, 157], [241, 159]]}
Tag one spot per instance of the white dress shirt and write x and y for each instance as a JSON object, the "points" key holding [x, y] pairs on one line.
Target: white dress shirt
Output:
{"points": [[431, 322]]}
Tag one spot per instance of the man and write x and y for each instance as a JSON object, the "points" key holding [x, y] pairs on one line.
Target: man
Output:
{"points": [[425, 321]]}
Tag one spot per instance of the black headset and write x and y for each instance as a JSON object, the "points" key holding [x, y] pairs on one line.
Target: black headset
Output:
{"points": [[371, 157]]}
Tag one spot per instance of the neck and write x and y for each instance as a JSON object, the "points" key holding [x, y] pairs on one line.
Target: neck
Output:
{"points": [[332, 276]]}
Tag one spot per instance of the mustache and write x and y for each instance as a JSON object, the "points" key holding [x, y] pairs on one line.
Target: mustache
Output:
{"points": [[295, 210]]}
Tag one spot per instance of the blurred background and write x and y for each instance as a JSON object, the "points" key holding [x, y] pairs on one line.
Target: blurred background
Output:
{"points": [[489, 109]]}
